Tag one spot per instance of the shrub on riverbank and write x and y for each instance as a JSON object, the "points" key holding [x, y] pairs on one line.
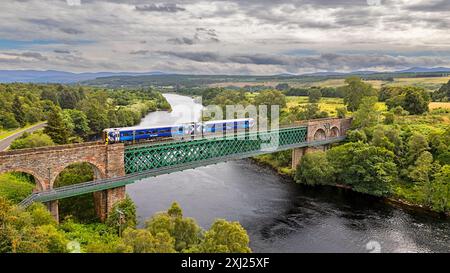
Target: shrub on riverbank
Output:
{"points": [[34, 230]]}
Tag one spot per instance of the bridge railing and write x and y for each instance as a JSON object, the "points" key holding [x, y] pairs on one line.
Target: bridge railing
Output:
{"points": [[103, 184]]}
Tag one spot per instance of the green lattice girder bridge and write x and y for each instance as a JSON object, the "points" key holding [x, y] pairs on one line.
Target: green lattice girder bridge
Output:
{"points": [[150, 160]]}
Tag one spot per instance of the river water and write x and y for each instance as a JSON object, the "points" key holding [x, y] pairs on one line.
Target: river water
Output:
{"points": [[279, 215]]}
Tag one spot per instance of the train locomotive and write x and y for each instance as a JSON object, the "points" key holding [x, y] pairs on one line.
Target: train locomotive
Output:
{"points": [[180, 131]]}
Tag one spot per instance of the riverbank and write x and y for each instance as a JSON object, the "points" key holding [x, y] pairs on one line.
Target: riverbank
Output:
{"points": [[289, 173]]}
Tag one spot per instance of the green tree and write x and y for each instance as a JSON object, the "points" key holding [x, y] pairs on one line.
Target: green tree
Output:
{"points": [[355, 90], [225, 237], [367, 115], [314, 95], [18, 112], [417, 144], [271, 97], [443, 94], [8, 121], [122, 215], [416, 101], [56, 127], [420, 172], [185, 231], [309, 111], [341, 112], [33, 140], [143, 241], [314, 168], [364, 167], [80, 122], [440, 198]]}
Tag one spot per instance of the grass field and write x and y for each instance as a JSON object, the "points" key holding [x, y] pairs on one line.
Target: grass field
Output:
{"points": [[430, 83], [437, 105], [5, 133], [326, 104]]}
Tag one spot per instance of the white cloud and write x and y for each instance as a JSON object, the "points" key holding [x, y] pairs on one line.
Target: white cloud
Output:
{"points": [[130, 34]]}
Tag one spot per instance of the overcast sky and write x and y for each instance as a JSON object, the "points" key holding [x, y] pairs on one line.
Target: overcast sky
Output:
{"points": [[232, 37]]}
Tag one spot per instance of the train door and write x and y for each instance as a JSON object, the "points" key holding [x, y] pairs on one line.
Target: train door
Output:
{"points": [[189, 130]]}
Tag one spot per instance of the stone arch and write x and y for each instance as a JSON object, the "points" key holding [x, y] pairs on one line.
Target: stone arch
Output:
{"points": [[320, 135], [334, 132], [99, 171], [40, 182]]}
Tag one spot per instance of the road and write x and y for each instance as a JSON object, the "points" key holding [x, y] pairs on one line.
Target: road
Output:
{"points": [[4, 143]]}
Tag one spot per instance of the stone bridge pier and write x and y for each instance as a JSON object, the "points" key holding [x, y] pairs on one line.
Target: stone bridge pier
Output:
{"points": [[320, 129], [46, 163]]}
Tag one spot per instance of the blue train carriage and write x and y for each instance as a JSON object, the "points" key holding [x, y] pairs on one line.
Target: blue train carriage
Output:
{"points": [[186, 130], [133, 134], [218, 126]]}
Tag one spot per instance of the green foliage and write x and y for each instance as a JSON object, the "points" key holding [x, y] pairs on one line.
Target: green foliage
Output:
{"points": [[388, 92], [185, 231], [367, 115], [143, 241], [341, 112], [443, 94], [314, 169], [225, 237], [415, 100], [356, 136], [80, 207], [80, 122], [17, 109], [440, 190], [8, 121], [35, 231], [309, 111], [31, 231], [93, 237], [364, 167], [417, 144], [87, 110], [314, 95], [389, 118], [33, 140], [57, 127], [122, 215], [270, 97], [15, 187], [355, 91], [282, 86]]}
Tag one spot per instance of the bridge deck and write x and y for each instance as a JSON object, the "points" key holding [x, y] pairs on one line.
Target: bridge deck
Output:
{"points": [[149, 171]]}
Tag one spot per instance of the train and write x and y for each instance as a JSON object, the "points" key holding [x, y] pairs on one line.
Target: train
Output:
{"points": [[180, 131]]}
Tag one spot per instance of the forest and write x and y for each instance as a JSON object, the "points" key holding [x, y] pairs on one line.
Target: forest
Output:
{"points": [[73, 113], [398, 148]]}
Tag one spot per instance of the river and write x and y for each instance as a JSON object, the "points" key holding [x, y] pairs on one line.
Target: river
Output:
{"points": [[279, 215]]}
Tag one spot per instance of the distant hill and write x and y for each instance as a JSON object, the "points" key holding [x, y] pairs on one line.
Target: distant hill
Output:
{"points": [[161, 79], [53, 76], [424, 70]]}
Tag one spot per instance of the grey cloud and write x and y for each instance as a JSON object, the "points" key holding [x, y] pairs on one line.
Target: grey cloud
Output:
{"points": [[54, 24], [160, 8], [71, 31], [139, 52], [31, 55], [181, 41], [431, 6], [61, 51], [323, 61]]}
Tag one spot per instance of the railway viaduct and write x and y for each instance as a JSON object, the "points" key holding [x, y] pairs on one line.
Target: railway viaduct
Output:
{"points": [[118, 162]]}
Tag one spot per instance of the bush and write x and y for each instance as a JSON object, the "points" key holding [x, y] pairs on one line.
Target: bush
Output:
{"points": [[33, 140], [314, 169]]}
